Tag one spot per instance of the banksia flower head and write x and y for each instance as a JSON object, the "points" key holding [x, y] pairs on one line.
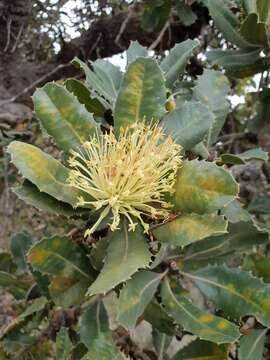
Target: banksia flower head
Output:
{"points": [[127, 176]]}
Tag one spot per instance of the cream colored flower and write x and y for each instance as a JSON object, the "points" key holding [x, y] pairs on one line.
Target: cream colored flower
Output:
{"points": [[127, 176]]}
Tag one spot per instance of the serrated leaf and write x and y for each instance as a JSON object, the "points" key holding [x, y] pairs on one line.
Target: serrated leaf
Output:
{"points": [[142, 94], [93, 321], [67, 266], [203, 187], [47, 173], [259, 265], [186, 229], [241, 237], [227, 22], [63, 344], [211, 89], [127, 252], [92, 105], [202, 350], [110, 74], [97, 84], [203, 324], [251, 346], [188, 124], [175, 62], [63, 116], [103, 348], [19, 245], [30, 194], [235, 213], [134, 51], [224, 287], [135, 296]]}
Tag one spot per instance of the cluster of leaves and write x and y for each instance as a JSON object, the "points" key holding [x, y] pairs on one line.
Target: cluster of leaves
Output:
{"points": [[65, 287]]}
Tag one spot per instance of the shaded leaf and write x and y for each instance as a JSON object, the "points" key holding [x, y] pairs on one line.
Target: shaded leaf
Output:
{"points": [[251, 346], [127, 252], [260, 123], [30, 194], [161, 343], [188, 124], [185, 13], [202, 350], [37, 305], [104, 348], [225, 287], [135, 296], [159, 319], [260, 205], [242, 158], [93, 321], [63, 116], [134, 51], [142, 94], [19, 245], [84, 96], [175, 62], [50, 178], [205, 325], [190, 228], [63, 344], [66, 264], [259, 265], [6, 263], [253, 31], [155, 14], [203, 187], [211, 89], [15, 286]]}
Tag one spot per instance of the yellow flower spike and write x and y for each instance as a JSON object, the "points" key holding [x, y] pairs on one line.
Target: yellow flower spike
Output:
{"points": [[127, 176]]}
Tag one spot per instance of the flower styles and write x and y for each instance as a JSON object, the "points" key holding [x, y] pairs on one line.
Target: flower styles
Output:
{"points": [[127, 176]]}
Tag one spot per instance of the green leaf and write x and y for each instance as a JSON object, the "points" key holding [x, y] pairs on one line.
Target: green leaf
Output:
{"points": [[134, 51], [109, 73], [224, 287], [159, 319], [227, 23], [161, 343], [66, 264], [174, 64], [97, 81], [103, 348], [142, 94], [63, 116], [263, 7], [127, 252], [63, 344], [185, 13], [203, 187], [204, 325], [19, 245], [186, 229], [252, 345], [93, 322], [84, 96], [211, 89], [253, 31], [155, 14], [98, 253], [30, 194], [260, 205], [47, 173], [6, 263], [241, 237], [188, 124], [202, 350], [234, 212], [242, 158], [259, 265], [260, 122], [135, 296], [15, 286], [36, 306]]}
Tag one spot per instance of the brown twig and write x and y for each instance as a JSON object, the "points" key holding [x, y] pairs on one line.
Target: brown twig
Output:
{"points": [[160, 36], [34, 84]]}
